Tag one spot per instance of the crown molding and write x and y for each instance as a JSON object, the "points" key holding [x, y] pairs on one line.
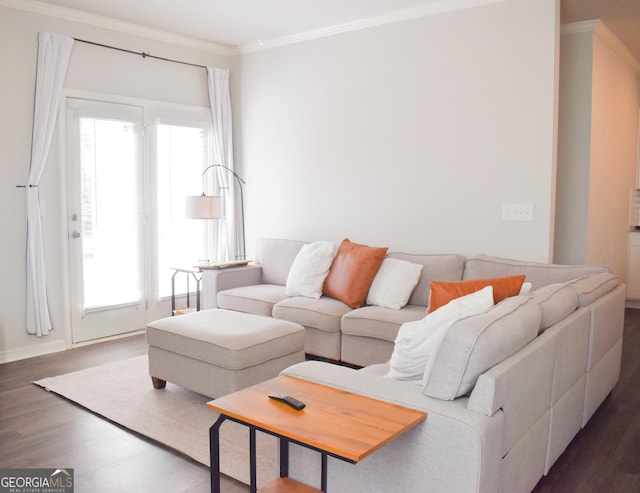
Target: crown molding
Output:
{"points": [[599, 28], [402, 15], [42, 8], [603, 31], [36, 7], [579, 27]]}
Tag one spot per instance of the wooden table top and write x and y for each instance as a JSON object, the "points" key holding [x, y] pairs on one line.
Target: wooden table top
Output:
{"points": [[222, 265], [338, 422]]}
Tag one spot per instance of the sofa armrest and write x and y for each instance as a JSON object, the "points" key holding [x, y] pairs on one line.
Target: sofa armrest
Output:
{"points": [[520, 387], [216, 280]]}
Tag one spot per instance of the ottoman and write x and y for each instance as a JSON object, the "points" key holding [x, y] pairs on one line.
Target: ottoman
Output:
{"points": [[216, 352]]}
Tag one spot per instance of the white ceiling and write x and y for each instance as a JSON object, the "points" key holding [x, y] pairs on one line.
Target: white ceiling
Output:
{"points": [[243, 23]]}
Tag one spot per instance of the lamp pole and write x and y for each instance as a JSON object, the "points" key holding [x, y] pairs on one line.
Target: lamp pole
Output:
{"points": [[240, 183]]}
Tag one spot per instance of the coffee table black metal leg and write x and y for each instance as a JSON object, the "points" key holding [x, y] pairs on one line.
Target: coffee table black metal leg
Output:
{"points": [[323, 479], [214, 458], [253, 482], [214, 454], [284, 458], [284, 464]]}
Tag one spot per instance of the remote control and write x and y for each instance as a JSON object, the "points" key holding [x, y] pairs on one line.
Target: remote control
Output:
{"points": [[288, 400]]}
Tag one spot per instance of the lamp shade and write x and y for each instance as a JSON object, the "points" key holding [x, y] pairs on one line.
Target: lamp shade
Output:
{"points": [[203, 207]]}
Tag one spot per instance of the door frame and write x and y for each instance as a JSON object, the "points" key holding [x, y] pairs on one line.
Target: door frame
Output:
{"points": [[98, 323], [163, 306]]}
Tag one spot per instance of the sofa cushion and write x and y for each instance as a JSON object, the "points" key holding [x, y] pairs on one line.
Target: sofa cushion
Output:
{"points": [[276, 257], [322, 314], [416, 340], [352, 272], [538, 274], [557, 301], [378, 322], [443, 292], [443, 267], [393, 283], [474, 344], [258, 299], [591, 287], [310, 268]]}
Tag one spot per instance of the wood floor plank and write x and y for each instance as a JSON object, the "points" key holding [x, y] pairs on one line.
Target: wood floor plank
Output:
{"points": [[40, 429]]}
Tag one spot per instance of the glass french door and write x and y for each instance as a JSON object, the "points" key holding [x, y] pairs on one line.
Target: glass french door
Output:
{"points": [[106, 224], [129, 168]]}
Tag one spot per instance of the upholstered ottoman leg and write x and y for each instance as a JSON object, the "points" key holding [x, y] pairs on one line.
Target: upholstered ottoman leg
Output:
{"points": [[158, 383]]}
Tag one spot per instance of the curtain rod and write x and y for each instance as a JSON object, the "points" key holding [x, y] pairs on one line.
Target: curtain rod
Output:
{"points": [[141, 53]]}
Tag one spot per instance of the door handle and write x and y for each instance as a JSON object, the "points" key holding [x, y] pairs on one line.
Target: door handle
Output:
{"points": [[75, 234]]}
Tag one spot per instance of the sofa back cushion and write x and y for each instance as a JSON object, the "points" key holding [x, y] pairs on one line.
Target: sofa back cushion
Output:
{"points": [[557, 301], [438, 267], [276, 257], [474, 344], [538, 274], [591, 287], [416, 340]]}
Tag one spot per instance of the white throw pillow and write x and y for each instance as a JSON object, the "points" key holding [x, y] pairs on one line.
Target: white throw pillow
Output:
{"points": [[309, 269], [525, 289], [394, 283], [472, 345], [416, 340]]}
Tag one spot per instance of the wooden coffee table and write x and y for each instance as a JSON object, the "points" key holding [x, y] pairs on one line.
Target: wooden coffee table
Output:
{"points": [[334, 422]]}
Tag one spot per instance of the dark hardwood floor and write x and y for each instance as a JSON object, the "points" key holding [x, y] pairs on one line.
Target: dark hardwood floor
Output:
{"points": [[605, 455], [40, 429]]}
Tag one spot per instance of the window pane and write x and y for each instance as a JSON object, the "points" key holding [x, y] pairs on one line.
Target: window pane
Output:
{"points": [[110, 216], [182, 154]]}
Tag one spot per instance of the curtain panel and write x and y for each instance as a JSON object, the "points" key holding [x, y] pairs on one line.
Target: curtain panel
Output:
{"points": [[54, 51], [229, 234]]}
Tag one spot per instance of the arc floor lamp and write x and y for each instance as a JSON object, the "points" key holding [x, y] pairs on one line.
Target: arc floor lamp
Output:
{"points": [[210, 206]]}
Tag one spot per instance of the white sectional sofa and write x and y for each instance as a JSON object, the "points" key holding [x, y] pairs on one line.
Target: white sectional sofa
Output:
{"points": [[505, 393]]}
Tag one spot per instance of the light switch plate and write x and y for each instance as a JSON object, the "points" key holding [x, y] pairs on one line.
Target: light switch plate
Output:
{"points": [[517, 212]]}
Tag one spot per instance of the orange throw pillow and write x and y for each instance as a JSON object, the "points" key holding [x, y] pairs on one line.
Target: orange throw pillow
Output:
{"points": [[443, 292], [352, 272]]}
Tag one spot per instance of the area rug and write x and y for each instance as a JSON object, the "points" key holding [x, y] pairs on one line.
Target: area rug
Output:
{"points": [[176, 417]]}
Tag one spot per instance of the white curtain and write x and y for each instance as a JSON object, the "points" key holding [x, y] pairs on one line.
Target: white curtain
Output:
{"points": [[54, 51], [229, 235]]}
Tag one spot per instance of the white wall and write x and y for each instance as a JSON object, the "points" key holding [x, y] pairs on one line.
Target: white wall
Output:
{"points": [[598, 131], [614, 144], [574, 149], [409, 135], [91, 69]]}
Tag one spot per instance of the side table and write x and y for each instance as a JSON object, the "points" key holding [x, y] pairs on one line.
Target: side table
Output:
{"points": [[194, 272], [334, 422], [222, 265]]}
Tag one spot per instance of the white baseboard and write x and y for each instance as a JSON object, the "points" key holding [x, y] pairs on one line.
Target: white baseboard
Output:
{"points": [[32, 351], [632, 304], [109, 338], [54, 347]]}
